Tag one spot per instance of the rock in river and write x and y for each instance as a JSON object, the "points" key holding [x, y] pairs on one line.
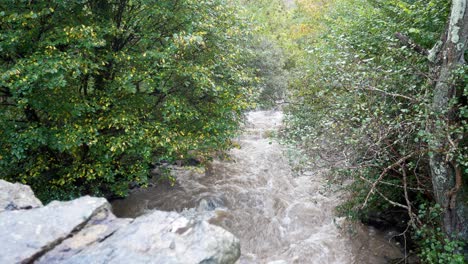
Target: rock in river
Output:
{"points": [[85, 231]]}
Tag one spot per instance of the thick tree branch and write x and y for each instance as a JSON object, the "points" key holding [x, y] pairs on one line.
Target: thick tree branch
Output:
{"points": [[452, 194], [406, 41]]}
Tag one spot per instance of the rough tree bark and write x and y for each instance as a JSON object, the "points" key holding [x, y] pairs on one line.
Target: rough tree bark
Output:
{"points": [[449, 190]]}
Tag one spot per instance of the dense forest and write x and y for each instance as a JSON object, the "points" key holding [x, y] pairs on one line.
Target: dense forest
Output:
{"points": [[94, 94]]}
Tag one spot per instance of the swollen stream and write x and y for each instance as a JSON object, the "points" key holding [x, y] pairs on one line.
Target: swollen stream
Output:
{"points": [[278, 216]]}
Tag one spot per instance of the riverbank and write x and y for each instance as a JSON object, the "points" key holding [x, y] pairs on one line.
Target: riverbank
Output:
{"points": [[279, 215]]}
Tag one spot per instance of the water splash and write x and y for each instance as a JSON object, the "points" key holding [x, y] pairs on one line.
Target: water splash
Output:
{"points": [[278, 217]]}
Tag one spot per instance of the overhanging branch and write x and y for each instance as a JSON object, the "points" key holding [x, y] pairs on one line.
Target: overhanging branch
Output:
{"points": [[406, 41]]}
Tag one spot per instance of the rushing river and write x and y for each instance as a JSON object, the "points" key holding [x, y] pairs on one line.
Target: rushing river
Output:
{"points": [[279, 217]]}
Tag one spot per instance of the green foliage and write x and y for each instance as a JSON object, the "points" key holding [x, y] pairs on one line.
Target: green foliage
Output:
{"points": [[94, 92], [435, 247], [369, 96], [268, 59]]}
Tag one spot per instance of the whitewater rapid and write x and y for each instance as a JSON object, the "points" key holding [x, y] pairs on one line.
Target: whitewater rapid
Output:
{"points": [[279, 216]]}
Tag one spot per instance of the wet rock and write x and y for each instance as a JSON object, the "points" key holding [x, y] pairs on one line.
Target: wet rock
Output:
{"points": [[163, 237], [27, 234], [16, 197], [86, 231], [98, 228], [210, 204]]}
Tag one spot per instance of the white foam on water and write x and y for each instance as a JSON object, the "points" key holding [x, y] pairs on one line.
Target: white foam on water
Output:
{"points": [[278, 217]]}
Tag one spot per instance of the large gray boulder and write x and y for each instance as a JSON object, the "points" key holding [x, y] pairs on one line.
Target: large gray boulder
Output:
{"points": [[85, 231], [27, 234], [161, 237], [17, 196], [99, 227]]}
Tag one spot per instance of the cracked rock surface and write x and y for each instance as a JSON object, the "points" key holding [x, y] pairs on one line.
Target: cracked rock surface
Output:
{"points": [[85, 231]]}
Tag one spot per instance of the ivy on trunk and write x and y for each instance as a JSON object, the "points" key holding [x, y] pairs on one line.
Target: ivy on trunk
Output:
{"points": [[449, 187]]}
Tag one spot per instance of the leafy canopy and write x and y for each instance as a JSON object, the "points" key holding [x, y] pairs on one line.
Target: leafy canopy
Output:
{"points": [[94, 92]]}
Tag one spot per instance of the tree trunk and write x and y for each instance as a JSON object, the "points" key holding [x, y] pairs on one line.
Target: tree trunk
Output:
{"points": [[446, 175]]}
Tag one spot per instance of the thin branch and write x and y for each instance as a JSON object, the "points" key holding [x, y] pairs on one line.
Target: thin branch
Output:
{"points": [[393, 184], [390, 201], [408, 203], [371, 88], [384, 172]]}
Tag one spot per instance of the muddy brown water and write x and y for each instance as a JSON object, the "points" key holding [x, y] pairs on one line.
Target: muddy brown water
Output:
{"points": [[279, 216]]}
